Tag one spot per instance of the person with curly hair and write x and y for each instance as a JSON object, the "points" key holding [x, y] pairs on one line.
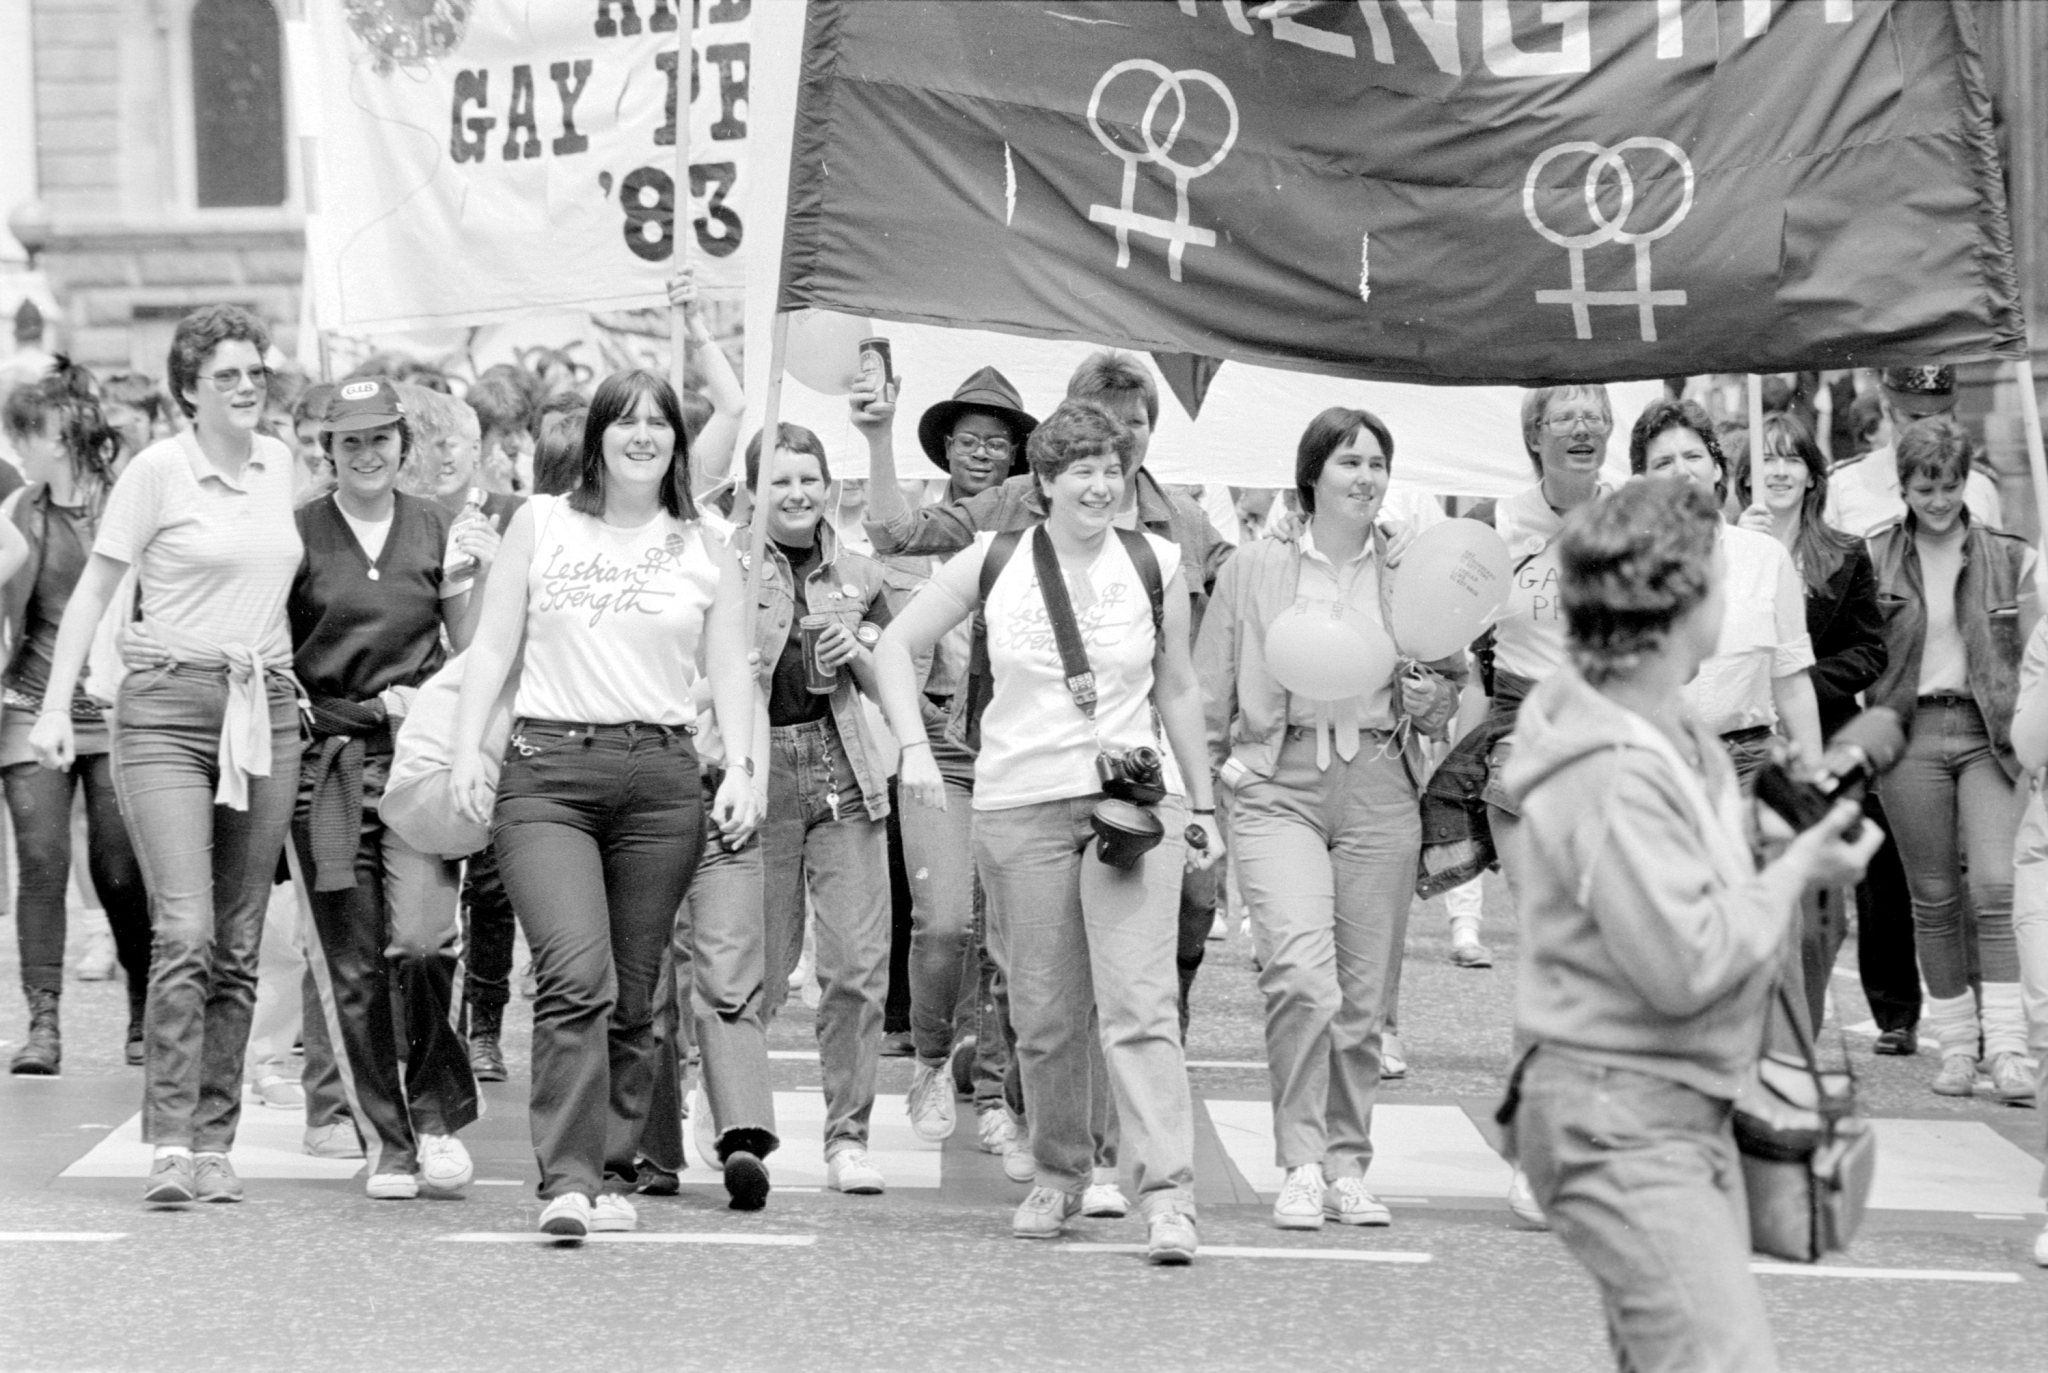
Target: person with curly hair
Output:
{"points": [[1651, 940], [206, 745], [68, 450]]}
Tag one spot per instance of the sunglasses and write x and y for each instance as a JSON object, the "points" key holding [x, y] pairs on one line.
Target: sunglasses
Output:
{"points": [[230, 378]]}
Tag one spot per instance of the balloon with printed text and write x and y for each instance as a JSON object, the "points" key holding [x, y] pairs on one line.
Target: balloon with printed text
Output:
{"points": [[1316, 651], [824, 349], [1451, 584]]}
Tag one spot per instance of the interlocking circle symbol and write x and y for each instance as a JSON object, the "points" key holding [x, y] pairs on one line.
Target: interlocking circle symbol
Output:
{"points": [[1606, 162], [1157, 150]]}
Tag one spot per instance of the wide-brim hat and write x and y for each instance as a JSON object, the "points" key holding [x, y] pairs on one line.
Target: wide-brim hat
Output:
{"points": [[987, 390]]}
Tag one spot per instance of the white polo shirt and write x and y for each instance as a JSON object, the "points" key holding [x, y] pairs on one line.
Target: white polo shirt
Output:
{"points": [[215, 557]]}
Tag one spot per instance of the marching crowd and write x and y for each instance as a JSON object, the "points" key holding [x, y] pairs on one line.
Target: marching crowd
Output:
{"points": [[1041, 691]]}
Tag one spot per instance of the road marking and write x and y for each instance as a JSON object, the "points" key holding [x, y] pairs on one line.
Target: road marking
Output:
{"points": [[499, 1182], [638, 1237], [1243, 1251], [1418, 1151], [1999, 1215], [1258, 1064], [1951, 1165], [1798, 1270], [268, 1144], [60, 1236]]}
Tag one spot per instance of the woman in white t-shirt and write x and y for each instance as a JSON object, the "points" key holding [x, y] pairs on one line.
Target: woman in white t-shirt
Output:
{"points": [[206, 745], [1080, 940], [599, 817]]}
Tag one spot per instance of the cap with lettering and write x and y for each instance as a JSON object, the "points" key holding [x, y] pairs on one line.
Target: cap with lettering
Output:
{"points": [[365, 404]]}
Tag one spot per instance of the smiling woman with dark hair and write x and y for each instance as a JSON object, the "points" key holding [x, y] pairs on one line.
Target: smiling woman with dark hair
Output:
{"points": [[605, 596]]}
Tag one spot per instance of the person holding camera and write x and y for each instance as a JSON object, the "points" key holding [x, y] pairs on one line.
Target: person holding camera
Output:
{"points": [[1081, 827], [1651, 938], [1324, 812]]}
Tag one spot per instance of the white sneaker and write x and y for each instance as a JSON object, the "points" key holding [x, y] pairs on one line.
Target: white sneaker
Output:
{"points": [[932, 1117], [96, 964], [567, 1217], [997, 1131], [1019, 1165], [392, 1186], [2041, 1247], [1393, 1059], [445, 1168], [612, 1214], [850, 1170], [1105, 1201], [1522, 1203], [1300, 1203], [1347, 1202]]}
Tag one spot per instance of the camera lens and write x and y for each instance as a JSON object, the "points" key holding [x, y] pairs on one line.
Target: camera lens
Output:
{"points": [[1144, 759]]}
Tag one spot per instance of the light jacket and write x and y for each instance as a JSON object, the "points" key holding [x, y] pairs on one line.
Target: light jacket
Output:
{"points": [[1990, 590], [855, 590], [1649, 939], [1246, 708]]}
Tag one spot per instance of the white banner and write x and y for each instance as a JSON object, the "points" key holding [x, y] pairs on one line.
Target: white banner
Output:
{"points": [[473, 161]]}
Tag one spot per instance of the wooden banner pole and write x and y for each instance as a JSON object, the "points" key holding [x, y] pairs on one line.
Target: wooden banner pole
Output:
{"points": [[682, 228]]}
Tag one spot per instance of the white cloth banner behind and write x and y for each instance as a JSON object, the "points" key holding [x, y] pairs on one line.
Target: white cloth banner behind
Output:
{"points": [[1447, 440], [518, 161]]}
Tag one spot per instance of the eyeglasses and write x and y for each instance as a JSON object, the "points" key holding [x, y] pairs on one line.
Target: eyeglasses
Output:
{"points": [[964, 444], [1562, 425], [230, 378]]}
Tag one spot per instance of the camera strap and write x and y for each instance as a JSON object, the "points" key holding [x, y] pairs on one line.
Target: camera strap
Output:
{"points": [[1059, 608]]}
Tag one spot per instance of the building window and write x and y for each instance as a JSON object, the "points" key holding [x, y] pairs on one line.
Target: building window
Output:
{"points": [[238, 103]]}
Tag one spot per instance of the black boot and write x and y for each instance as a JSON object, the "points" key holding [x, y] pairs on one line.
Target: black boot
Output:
{"points": [[486, 1059], [43, 1055], [133, 1047]]}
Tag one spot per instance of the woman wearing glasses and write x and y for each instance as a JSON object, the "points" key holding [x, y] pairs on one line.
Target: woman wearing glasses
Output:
{"points": [[1565, 430], [206, 749]]}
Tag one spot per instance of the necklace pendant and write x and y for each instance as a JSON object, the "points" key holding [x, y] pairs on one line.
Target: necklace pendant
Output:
{"points": [[375, 575]]}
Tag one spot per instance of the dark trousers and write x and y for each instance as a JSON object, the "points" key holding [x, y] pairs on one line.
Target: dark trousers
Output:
{"points": [[1197, 916], [896, 1014], [39, 803], [1885, 956], [384, 964], [488, 931], [598, 830]]}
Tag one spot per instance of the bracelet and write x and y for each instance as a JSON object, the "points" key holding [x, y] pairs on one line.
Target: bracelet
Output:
{"points": [[1201, 810], [746, 765]]}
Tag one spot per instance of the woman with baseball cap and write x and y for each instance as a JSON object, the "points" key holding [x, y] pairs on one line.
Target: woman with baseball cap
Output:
{"points": [[381, 581], [206, 749]]}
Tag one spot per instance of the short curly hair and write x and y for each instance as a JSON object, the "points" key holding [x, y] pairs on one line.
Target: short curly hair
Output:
{"points": [[1662, 416], [1078, 429], [195, 338], [1631, 565]]}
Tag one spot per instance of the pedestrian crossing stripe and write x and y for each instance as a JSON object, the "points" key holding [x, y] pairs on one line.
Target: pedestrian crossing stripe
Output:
{"points": [[1421, 1152], [631, 1237]]}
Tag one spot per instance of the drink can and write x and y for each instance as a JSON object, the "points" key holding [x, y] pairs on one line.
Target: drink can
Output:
{"points": [[818, 680], [875, 364]]}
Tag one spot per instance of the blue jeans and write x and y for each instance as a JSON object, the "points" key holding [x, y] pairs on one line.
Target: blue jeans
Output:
{"points": [[39, 803], [208, 869], [1948, 796], [1079, 939], [818, 837], [597, 832], [1640, 1179], [1327, 860], [713, 994], [938, 854]]}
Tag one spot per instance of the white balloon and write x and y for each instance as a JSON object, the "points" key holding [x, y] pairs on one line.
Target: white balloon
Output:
{"points": [[1450, 585], [824, 349], [1327, 657]]}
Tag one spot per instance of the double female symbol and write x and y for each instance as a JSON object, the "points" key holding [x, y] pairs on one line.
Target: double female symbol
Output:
{"points": [[1607, 162], [1157, 150]]}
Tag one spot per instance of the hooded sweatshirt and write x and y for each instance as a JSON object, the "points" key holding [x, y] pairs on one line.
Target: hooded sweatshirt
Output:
{"points": [[1650, 940]]}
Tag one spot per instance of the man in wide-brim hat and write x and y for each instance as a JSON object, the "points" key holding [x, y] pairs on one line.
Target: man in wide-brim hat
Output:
{"points": [[977, 437]]}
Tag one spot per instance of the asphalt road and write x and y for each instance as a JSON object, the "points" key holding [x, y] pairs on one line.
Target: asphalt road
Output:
{"points": [[310, 1275]]}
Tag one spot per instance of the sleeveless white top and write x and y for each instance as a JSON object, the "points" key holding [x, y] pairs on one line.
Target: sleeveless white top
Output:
{"points": [[613, 618], [1036, 745]]}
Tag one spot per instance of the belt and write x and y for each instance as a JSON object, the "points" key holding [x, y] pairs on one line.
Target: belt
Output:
{"points": [[631, 729], [1309, 731], [1749, 735], [1946, 698]]}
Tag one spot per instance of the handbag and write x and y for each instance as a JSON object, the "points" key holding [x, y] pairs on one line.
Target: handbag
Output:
{"points": [[1808, 1157], [417, 804]]}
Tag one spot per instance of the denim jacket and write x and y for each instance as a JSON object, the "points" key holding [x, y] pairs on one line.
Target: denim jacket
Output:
{"points": [[855, 589], [1989, 591], [1246, 708]]}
